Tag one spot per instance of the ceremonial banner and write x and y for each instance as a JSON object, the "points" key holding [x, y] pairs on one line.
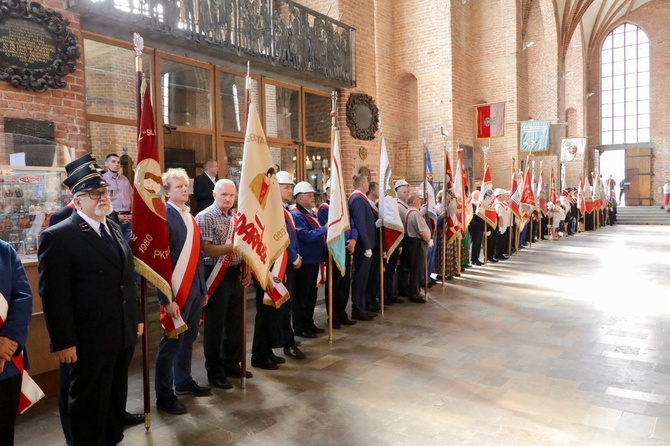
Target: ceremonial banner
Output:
{"points": [[572, 149], [485, 208], [552, 194], [338, 214], [149, 241], [449, 202], [460, 183], [534, 136], [388, 205], [580, 196], [527, 196], [261, 230], [30, 391], [541, 194], [491, 120], [427, 185], [588, 196], [515, 197]]}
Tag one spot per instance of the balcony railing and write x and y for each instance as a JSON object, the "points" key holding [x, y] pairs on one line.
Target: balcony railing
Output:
{"points": [[282, 33]]}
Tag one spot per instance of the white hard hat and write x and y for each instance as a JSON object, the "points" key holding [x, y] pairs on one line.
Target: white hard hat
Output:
{"points": [[400, 183], [327, 184], [499, 191], [284, 177], [302, 187]]}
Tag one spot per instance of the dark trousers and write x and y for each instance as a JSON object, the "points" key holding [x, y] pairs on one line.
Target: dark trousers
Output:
{"points": [[359, 281], [304, 297], [63, 387], [416, 257], [222, 336], [373, 288], [341, 288], [97, 396], [491, 242], [173, 360], [503, 243], [10, 391], [390, 285], [264, 327], [476, 236], [402, 271], [284, 336]]}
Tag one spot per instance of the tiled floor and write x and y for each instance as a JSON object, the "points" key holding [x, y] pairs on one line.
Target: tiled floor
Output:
{"points": [[564, 344]]}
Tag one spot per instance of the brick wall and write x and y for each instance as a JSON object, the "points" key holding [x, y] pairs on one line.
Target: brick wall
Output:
{"points": [[64, 107]]}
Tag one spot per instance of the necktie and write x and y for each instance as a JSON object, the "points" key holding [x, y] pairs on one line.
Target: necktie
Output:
{"points": [[109, 239]]}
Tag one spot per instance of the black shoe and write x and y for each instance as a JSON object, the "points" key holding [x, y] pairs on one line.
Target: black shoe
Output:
{"points": [[306, 334], [221, 383], [417, 299], [277, 359], [266, 364], [477, 263], [347, 321], [131, 419], [466, 266], [294, 352], [493, 260], [449, 278], [501, 258], [393, 300], [170, 405], [361, 316], [373, 309], [317, 330], [336, 325], [193, 389], [236, 372]]}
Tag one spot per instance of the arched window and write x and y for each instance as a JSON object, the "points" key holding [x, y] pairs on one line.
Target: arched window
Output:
{"points": [[625, 86]]}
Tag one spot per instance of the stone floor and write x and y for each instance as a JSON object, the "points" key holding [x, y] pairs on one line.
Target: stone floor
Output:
{"points": [[564, 344]]}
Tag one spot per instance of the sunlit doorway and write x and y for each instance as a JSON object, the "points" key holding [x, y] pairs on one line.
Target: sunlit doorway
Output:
{"points": [[614, 163]]}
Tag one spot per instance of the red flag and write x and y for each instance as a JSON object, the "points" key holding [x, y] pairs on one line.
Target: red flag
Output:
{"points": [[449, 204], [490, 120], [515, 197], [527, 196], [580, 196], [552, 194], [541, 194], [485, 208], [150, 242]]}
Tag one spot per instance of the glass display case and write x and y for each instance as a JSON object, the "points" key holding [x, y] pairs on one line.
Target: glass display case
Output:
{"points": [[29, 195]]}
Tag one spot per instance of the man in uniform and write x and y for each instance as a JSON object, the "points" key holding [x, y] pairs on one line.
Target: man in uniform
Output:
{"points": [[223, 309], [312, 241], [504, 214], [85, 254]]}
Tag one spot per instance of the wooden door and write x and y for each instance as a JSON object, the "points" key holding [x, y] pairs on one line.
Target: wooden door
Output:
{"points": [[638, 174]]}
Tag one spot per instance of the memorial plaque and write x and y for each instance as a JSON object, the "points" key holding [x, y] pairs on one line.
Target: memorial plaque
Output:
{"points": [[36, 48]]}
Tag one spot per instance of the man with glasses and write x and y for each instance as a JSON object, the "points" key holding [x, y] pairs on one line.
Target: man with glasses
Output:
{"points": [[90, 307]]}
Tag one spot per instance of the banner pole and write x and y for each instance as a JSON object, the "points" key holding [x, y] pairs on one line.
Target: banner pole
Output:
{"points": [[330, 295], [381, 268]]}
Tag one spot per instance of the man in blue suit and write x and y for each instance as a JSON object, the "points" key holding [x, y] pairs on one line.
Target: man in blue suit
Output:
{"points": [[312, 241], [17, 299], [360, 212], [173, 361]]}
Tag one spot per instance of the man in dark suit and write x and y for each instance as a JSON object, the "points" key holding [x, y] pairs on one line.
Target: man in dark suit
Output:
{"points": [[203, 185], [175, 351], [365, 236], [90, 306]]}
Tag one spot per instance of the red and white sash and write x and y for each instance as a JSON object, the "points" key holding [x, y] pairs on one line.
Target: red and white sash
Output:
{"points": [[30, 391], [409, 212], [321, 278], [289, 219], [182, 277], [223, 263], [279, 294]]}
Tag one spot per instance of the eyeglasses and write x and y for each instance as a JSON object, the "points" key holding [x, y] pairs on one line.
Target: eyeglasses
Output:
{"points": [[98, 194]]}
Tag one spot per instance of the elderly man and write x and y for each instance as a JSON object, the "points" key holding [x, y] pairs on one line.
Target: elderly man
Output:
{"points": [[121, 192], [175, 350], [312, 241], [393, 270], [16, 303], [203, 185], [82, 256], [223, 308], [417, 241]]}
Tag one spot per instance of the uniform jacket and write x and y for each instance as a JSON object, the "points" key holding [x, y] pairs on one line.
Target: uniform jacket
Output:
{"points": [[15, 288], [312, 240], [177, 235], [293, 248], [87, 289]]}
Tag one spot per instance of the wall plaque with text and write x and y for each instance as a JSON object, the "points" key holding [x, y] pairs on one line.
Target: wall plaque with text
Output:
{"points": [[36, 48]]}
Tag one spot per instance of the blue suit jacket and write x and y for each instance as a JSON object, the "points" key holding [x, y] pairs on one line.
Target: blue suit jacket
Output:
{"points": [[177, 235], [293, 248], [312, 240], [360, 212], [322, 214], [15, 288]]}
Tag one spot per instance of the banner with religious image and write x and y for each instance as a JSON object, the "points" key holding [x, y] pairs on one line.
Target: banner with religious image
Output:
{"points": [[572, 149]]}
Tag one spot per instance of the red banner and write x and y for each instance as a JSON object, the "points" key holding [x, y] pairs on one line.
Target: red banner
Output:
{"points": [[490, 120], [149, 241]]}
